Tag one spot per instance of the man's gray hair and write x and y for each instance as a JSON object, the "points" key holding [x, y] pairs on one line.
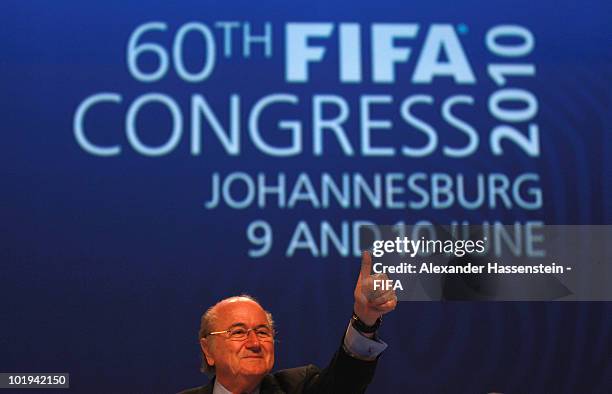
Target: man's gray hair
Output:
{"points": [[209, 319]]}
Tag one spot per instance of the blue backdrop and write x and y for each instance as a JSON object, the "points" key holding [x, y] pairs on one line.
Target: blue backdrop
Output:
{"points": [[117, 117]]}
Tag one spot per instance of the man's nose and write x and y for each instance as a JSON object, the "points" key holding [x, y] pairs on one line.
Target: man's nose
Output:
{"points": [[252, 341]]}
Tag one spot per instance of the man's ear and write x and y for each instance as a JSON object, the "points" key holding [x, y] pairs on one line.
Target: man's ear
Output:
{"points": [[205, 345]]}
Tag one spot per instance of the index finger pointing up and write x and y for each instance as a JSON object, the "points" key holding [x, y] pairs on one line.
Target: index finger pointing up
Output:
{"points": [[366, 264]]}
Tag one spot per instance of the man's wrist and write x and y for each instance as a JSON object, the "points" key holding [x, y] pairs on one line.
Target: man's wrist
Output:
{"points": [[367, 326], [368, 318]]}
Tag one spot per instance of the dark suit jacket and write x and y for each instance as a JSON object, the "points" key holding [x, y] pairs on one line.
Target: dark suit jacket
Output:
{"points": [[343, 375]]}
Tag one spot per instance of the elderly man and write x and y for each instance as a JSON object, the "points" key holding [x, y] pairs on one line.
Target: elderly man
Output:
{"points": [[237, 341]]}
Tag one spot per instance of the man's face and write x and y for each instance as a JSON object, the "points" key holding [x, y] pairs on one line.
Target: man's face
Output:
{"points": [[233, 359]]}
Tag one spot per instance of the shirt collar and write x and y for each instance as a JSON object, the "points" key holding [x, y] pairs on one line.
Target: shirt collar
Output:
{"points": [[219, 389]]}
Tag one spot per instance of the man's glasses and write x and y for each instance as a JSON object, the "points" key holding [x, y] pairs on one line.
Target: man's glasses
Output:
{"points": [[241, 333]]}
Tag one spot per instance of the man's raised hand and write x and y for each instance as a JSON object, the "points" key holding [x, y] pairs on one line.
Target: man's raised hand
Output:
{"points": [[371, 304]]}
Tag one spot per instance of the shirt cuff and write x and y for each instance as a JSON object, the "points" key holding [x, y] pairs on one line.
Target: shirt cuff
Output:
{"points": [[361, 347]]}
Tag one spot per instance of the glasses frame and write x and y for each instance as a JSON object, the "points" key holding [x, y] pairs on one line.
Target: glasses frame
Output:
{"points": [[248, 330]]}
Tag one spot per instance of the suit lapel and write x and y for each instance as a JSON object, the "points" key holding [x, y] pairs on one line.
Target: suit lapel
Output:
{"points": [[269, 385]]}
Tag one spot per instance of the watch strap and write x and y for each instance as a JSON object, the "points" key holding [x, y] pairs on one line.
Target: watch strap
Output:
{"points": [[360, 326]]}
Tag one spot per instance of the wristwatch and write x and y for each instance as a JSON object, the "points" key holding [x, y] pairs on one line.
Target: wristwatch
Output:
{"points": [[362, 327]]}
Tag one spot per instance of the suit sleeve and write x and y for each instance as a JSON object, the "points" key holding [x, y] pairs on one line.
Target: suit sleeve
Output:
{"points": [[343, 375]]}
